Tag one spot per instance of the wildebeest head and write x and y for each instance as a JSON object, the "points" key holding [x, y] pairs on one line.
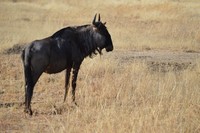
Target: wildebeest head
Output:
{"points": [[102, 35]]}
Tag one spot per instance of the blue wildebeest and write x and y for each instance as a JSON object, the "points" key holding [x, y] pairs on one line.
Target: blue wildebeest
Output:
{"points": [[65, 49]]}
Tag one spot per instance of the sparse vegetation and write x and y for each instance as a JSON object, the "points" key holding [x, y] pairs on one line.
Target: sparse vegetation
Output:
{"points": [[154, 90]]}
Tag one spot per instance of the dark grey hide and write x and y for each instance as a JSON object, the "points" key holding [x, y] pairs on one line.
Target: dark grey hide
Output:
{"points": [[65, 49]]}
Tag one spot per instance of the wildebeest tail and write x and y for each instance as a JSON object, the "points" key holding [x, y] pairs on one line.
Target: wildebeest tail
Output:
{"points": [[26, 58]]}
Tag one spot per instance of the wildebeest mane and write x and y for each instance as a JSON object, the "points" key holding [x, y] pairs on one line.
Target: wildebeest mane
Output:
{"points": [[85, 42], [62, 31], [58, 33]]}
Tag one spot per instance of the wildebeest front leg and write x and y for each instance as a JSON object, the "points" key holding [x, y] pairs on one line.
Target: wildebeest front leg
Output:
{"points": [[76, 68], [67, 77]]}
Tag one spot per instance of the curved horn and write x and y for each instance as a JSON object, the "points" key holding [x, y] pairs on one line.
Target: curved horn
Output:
{"points": [[93, 22], [99, 19]]}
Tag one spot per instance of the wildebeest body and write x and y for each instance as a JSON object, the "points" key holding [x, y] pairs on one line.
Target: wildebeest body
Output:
{"points": [[65, 49]]}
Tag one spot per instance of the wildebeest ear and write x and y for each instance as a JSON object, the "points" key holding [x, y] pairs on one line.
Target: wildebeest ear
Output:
{"points": [[104, 23]]}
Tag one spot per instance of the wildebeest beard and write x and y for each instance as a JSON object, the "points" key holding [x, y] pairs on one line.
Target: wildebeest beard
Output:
{"points": [[83, 36]]}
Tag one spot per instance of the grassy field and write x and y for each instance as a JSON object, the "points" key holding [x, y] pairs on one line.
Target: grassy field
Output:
{"points": [[118, 92]]}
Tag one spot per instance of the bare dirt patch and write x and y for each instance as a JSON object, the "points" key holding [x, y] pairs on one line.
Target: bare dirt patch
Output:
{"points": [[158, 60]]}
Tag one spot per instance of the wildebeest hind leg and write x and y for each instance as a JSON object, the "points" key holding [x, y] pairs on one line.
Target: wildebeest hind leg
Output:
{"points": [[28, 95], [37, 70], [29, 92]]}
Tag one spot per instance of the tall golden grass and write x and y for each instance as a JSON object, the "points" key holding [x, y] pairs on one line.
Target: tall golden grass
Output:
{"points": [[114, 94]]}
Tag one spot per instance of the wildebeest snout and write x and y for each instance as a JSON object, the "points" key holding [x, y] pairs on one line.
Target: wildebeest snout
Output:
{"points": [[109, 48]]}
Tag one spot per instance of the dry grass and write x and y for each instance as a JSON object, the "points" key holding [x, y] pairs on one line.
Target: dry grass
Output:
{"points": [[114, 94], [120, 97]]}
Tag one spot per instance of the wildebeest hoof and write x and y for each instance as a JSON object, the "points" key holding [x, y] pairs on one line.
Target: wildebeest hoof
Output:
{"points": [[28, 111]]}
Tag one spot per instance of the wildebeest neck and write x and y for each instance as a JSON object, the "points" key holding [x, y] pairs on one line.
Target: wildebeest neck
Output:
{"points": [[84, 37], [88, 41]]}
